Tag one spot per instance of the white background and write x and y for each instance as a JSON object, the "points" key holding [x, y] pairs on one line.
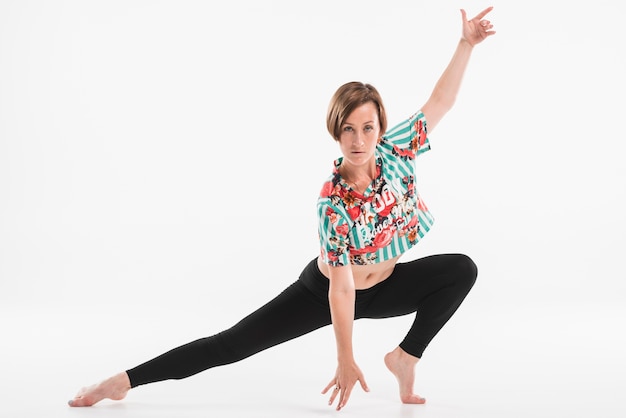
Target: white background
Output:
{"points": [[160, 163]]}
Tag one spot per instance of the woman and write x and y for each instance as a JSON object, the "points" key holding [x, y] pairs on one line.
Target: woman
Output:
{"points": [[369, 214]]}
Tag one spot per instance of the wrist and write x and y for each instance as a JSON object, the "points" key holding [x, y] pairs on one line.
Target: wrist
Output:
{"points": [[345, 357], [465, 43]]}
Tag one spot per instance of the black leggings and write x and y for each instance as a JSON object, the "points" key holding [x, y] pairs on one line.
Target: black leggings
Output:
{"points": [[433, 286]]}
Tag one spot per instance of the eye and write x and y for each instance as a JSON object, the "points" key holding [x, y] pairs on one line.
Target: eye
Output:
{"points": [[347, 128], [369, 128]]}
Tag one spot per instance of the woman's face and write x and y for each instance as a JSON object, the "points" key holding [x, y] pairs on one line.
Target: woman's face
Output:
{"points": [[359, 135]]}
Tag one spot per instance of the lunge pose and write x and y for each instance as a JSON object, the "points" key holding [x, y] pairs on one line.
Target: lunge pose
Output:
{"points": [[370, 213]]}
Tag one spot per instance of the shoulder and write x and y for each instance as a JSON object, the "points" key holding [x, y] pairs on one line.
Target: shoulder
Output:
{"points": [[408, 138]]}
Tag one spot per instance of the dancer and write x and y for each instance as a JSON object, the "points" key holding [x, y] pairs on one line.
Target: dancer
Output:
{"points": [[370, 213]]}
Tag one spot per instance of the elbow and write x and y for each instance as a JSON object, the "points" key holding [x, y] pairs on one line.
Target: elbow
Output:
{"points": [[340, 293], [448, 103]]}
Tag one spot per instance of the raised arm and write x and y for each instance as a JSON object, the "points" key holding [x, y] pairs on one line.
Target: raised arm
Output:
{"points": [[341, 296], [444, 94]]}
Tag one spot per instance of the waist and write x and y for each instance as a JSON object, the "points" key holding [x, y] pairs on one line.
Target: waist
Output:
{"points": [[364, 276]]}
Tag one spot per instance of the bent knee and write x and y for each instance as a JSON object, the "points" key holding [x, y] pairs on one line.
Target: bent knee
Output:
{"points": [[467, 271]]}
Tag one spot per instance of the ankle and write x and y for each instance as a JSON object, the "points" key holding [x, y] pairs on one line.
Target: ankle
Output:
{"points": [[405, 357], [121, 381]]}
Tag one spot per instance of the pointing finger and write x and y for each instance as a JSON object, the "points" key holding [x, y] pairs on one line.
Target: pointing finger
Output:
{"points": [[483, 13]]}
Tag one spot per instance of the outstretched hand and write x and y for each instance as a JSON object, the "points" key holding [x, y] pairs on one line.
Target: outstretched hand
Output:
{"points": [[346, 377], [477, 29]]}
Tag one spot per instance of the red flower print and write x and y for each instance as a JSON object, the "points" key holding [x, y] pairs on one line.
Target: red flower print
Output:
{"points": [[383, 238], [327, 189], [405, 153], [364, 250], [331, 214], [342, 230], [421, 133], [354, 212], [422, 139]]}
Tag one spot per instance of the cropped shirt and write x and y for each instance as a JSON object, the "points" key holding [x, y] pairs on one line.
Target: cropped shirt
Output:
{"points": [[389, 217]]}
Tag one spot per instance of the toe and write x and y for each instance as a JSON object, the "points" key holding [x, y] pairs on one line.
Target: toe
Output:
{"points": [[414, 399], [80, 401]]}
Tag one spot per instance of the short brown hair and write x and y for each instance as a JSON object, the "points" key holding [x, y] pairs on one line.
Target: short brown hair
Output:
{"points": [[347, 98]]}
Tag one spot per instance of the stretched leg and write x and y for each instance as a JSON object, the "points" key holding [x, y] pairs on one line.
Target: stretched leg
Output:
{"points": [[434, 287], [292, 313]]}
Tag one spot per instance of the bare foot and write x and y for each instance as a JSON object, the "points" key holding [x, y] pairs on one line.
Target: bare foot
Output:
{"points": [[115, 388], [402, 365]]}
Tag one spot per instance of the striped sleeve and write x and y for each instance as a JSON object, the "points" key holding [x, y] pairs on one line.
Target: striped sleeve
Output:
{"points": [[334, 228], [410, 136]]}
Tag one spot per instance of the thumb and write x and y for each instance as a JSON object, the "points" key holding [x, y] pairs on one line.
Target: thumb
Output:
{"points": [[463, 15], [363, 384]]}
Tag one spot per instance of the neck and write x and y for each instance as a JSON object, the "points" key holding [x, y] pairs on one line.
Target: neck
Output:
{"points": [[358, 178]]}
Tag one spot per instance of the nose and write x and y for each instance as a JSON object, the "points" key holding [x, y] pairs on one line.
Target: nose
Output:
{"points": [[358, 139]]}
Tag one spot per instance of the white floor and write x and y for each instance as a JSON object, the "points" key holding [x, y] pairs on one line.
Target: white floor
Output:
{"points": [[507, 363]]}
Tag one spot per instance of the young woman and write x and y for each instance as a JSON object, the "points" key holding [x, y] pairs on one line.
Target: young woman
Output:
{"points": [[370, 213]]}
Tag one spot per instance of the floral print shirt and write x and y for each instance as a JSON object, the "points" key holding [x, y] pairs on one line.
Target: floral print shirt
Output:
{"points": [[389, 217]]}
